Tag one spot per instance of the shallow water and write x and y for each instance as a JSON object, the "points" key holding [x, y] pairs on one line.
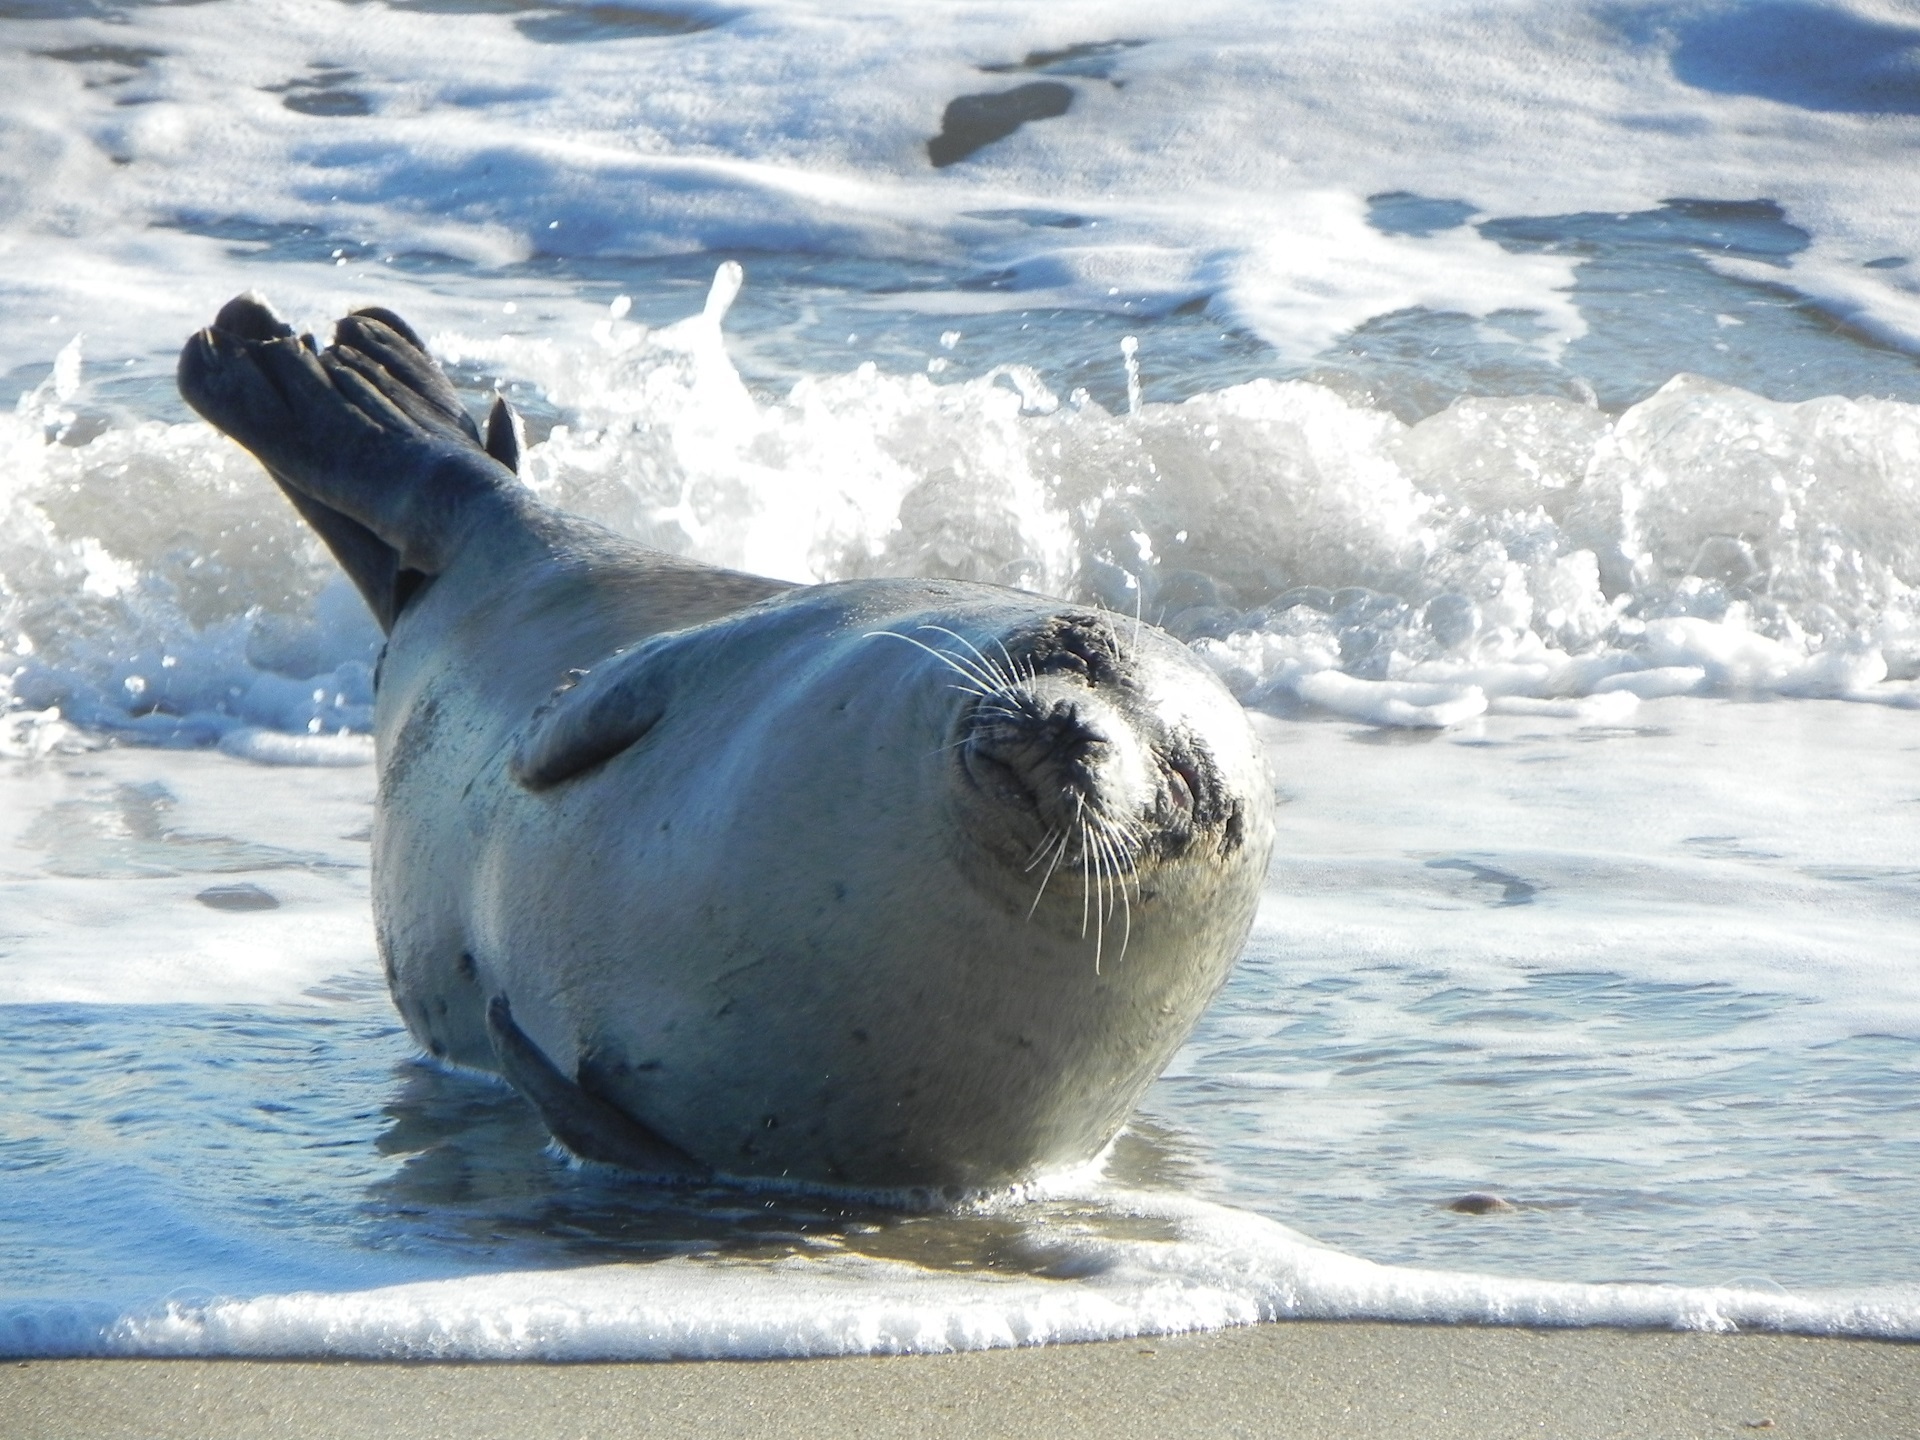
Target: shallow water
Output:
{"points": [[1657, 1012]]}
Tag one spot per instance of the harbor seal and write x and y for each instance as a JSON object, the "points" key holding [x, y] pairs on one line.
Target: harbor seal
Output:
{"points": [[888, 884]]}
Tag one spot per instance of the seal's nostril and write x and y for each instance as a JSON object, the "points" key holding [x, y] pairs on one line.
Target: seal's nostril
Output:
{"points": [[1041, 756]]}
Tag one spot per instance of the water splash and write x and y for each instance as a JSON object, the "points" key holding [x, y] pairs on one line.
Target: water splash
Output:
{"points": [[1316, 550]]}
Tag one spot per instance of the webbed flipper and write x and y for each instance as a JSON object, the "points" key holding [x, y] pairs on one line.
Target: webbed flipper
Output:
{"points": [[591, 1127], [367, 432]]}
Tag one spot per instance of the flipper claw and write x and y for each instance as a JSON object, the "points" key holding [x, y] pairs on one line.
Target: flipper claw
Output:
{"points": [[249, 317]]}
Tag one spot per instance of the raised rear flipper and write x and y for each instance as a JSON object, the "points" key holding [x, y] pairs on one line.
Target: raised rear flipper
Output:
{"points": [[366, 436], [589, 1126]]}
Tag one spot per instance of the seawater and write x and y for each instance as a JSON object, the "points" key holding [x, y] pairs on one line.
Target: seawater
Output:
{"points": [[1550, 492]]}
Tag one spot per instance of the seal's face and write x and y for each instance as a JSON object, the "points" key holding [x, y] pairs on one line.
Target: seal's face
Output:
{"points": [[1094, 764]]}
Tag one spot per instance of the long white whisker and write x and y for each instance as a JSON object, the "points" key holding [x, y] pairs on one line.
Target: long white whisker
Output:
{"points": [[1103, 908], [1040, 850], [1014, 677], [1112, 850], [1126, 922], [985, 671], [1086, 869], [1059, 854], [990, 688]]}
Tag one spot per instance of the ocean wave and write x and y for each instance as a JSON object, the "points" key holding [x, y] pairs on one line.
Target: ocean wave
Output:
{"points": [[1319, 552]]}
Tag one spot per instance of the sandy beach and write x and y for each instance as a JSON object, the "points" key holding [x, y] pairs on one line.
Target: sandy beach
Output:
{"points": [[1272, 1381]]}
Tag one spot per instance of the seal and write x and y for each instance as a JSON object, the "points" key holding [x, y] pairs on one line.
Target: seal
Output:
{"points": [[884, 884]]}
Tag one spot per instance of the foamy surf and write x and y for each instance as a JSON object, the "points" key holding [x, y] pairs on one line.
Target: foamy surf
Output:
{"points": [[1316, 551], [1218, 1267]]}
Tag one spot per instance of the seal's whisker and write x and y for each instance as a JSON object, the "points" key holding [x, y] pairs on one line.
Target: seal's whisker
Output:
{"points": [[1126, 922], [1123, 860], [1046, 842], [992, 687], [994, 705], [1014, 677], [1125, 837], [1113, 849], [983, 668], [1126, 904], [1086, 866], [1099, 897], [1059, 854], [1113, 631], [988, 682]]}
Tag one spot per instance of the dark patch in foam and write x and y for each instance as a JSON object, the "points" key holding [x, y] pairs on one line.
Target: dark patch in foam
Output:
{"points": [[1401, 212], [1091, 60], [241, 897], [1813, 56], [322, 93], [589, 23], [973, 122], [132, 57], [1513, 890], [114, 12]]}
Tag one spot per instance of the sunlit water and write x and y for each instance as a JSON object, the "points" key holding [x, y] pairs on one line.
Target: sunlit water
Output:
{"points": [[1559, 521]]}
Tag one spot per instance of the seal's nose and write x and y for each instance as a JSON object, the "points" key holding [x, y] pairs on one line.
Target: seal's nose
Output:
{"points": [[1036, 756], [1056, 750]]}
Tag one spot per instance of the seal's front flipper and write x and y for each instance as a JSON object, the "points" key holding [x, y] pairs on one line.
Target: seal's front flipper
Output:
{"points": [[592, 1128], [589, 722]]}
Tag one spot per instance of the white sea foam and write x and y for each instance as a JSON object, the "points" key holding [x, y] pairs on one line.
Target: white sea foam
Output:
{"points": [[155, 589], [1221, 1267], [803, 126], [1316, 550]]}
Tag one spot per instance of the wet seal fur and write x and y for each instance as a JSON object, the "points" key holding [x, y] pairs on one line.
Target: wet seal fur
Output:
{"points": [[884, 883]]}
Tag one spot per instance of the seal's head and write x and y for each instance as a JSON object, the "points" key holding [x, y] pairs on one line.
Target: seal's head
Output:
{"points": [[1086, 758]]}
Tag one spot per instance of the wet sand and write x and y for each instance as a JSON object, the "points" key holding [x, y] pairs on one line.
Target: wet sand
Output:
{"points": [[1272, 1381]]}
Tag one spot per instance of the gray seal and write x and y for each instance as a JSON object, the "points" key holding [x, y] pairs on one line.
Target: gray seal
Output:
{"points": [[882, 884]]}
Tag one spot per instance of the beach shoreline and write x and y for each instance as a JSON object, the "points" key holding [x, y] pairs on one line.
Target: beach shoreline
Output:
{"points": [[1295, 1379]]}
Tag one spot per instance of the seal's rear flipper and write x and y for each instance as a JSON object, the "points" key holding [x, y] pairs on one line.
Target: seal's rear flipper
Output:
{"points": [[370, 562], [367, 430], [592, 1128]]}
